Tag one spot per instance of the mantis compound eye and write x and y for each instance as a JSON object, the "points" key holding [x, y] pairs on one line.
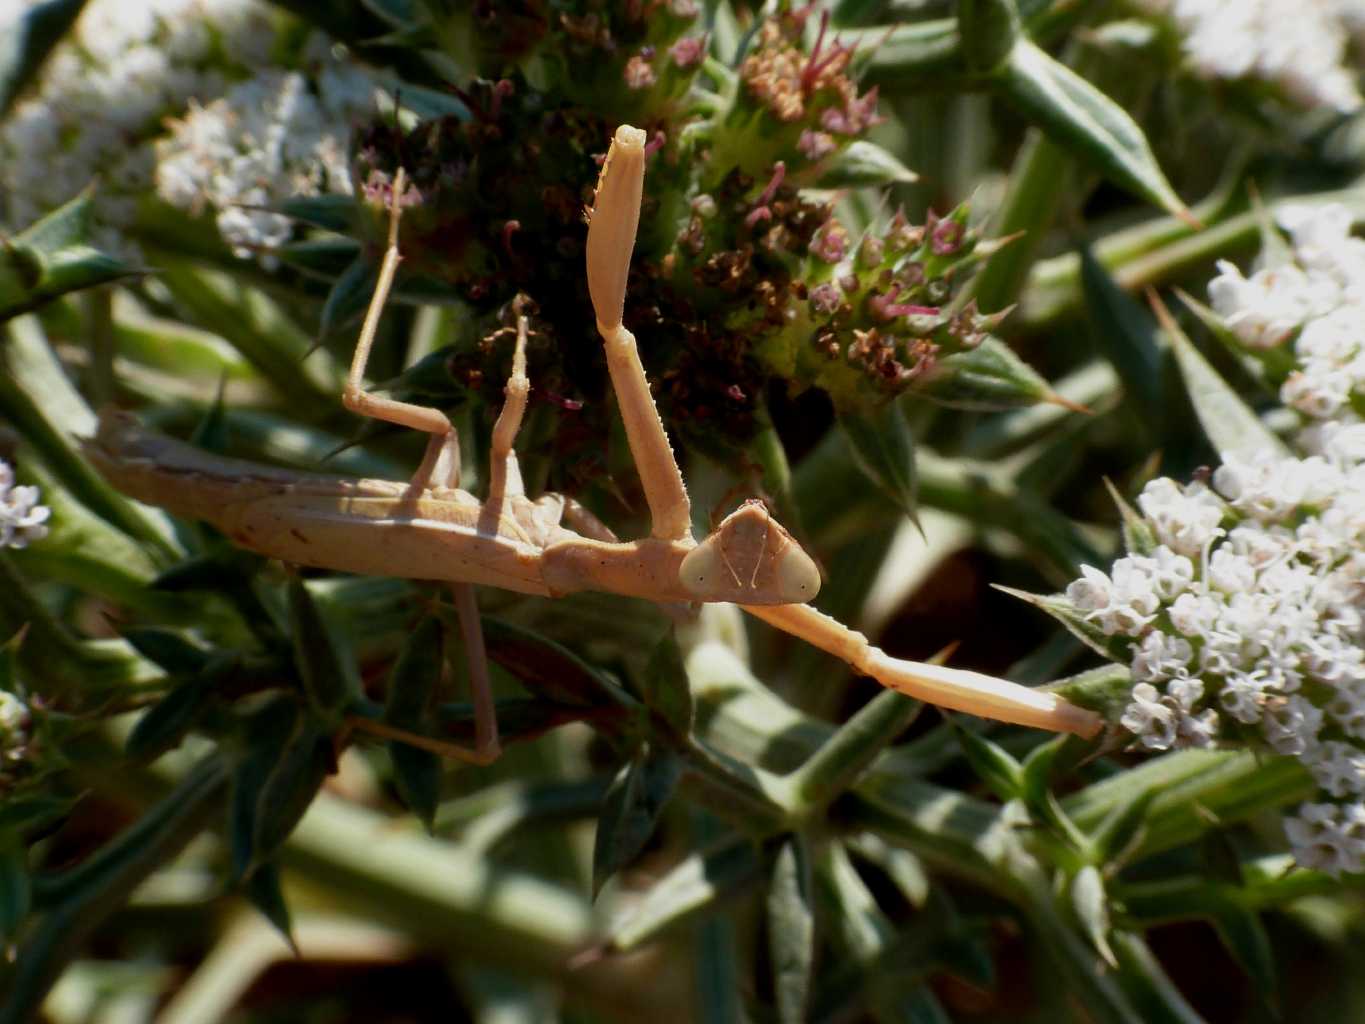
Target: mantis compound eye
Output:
{"points": [[750, 559]]}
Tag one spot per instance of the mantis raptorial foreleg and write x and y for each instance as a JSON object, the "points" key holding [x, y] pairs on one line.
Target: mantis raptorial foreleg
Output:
{"points": [[726, 565]]}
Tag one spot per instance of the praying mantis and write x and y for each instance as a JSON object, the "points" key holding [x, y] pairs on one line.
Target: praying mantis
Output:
{"points": [[430, 529]]}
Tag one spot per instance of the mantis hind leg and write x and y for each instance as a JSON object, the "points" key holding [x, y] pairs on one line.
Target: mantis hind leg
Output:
{"points": [[486, 744], [441, 465]]}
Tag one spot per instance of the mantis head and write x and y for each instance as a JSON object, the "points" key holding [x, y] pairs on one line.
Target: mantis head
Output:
{"points": [[750, 559]]}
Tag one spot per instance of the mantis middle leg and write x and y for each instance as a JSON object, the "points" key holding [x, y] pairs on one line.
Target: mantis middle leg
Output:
{"points": [[440, 467]]}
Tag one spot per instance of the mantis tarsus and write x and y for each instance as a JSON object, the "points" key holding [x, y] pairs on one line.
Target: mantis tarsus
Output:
{"points": [[430, 529]]}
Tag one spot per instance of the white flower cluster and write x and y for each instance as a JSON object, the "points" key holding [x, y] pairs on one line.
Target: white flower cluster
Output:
{"points": [[1297, 46], [14, 723], [22, 519], [1315, 305], [1243, 622], [105, 95], [268, 138]]}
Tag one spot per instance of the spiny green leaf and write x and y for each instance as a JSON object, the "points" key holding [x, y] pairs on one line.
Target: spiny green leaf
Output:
{"points": [[993, 765], [15, 889], [409, 703], [549, 668], [863, 164], [631, 810], [1087, 122], [1138, 536], [171, 650], [696, 883], [416, 676], [350, 295], [330, 212], [666, 688], [987, 378], [266, 730], [883, 446], [315, 653], [1127, 336], [1227, 421], [417, 773], [1064, 612], [905, 58], [1267, 366], [262, 887], [24, 814], [1121, 831], [1091, 907], [52, 257], [165, 724], [791, 929], [1243, 935], [304, 763]]}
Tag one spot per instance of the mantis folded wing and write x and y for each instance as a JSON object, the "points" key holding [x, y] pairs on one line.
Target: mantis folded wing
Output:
{"points": [[430, 529]]}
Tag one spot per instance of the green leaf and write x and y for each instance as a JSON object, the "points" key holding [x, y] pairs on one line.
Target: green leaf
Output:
{"points": [[416, 676], [52, 257], [27, 40], [1064, 612], [987, 378], [1229, 424], [169, 649], [330, 212], [1242, 934], [695, 884], [350, 295], [990, 29], [1268, 367], [1128, 337], [409, 703], [666, 689], [791, 929], [305, 762], [262, 887], [267, 730], [1087, 123], [417, 773], [883, 446], [904, 58], [16, 895], [1091, 907], [258, 327], [315, 652], [548, 668], [165, 724], [1138, 536], [993, 765], [324, 258], [1040, 766], [24, 814], [1121, 831], [1220, 859], [863, 164], [631, 810]]}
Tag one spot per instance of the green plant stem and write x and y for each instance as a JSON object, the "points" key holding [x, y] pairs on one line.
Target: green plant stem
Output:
{"points": [[845, 755], [88, 894]]}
